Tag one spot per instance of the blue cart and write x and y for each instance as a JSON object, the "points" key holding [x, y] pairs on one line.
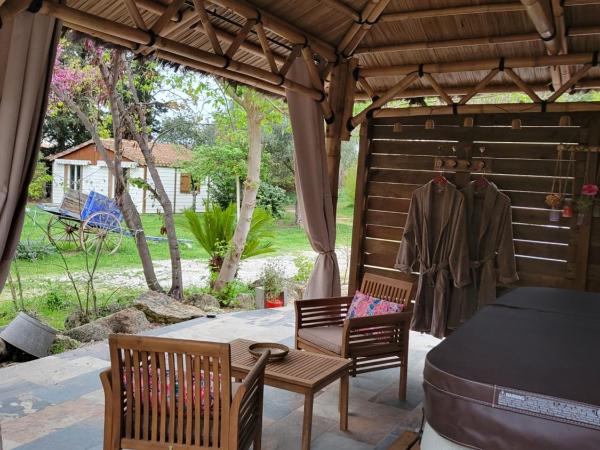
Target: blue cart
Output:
{"points": [[91, 222]]}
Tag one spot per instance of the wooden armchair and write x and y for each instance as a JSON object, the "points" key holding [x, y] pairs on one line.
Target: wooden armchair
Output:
{"points": [[372, 343], [172, 394]]}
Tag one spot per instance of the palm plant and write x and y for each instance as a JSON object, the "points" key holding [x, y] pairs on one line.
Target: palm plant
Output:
{"points": [[214, 230]]}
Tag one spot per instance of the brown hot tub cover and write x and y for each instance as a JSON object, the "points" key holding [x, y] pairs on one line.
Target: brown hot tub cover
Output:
{"points": [[523, 373]]}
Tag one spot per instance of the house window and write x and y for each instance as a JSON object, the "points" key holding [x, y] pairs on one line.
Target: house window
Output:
{"points": [[185, 183], [74, 177]]}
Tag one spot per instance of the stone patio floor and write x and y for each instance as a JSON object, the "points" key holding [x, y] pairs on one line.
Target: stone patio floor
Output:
{"points": [[57, 403]]}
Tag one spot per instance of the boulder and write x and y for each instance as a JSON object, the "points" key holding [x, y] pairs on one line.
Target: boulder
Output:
{"points": [[93, 331], [63, 343], [246, 301], [76, 319], [160, 308], [205, 302], [127, 321]]}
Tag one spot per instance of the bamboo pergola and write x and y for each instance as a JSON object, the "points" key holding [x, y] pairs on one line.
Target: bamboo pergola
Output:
{"points": [[363, 50]]}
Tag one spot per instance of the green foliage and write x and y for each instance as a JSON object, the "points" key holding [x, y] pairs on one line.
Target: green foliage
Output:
{"points": [[279, 149], [229, 294], [41, 178], [32, 249], [273, 279], [56, 300], [304, 265], [350, 184], [214, 229], [272, 198]]}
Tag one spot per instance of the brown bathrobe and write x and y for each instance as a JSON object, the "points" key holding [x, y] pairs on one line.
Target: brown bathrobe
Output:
{"points": [[491, 250], [435, 237]]}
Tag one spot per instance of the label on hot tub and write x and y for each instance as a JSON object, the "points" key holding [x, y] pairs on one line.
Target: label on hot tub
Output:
{"points": [[548, 407]]}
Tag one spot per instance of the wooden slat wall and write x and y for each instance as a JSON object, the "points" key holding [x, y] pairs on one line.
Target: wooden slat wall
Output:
{"points": [[394, 163]]}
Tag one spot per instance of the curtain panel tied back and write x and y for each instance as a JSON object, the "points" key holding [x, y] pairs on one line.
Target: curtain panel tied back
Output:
{"points": [[27, 50], [312, 186]]}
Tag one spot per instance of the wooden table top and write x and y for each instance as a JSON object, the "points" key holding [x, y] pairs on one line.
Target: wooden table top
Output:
{"points": [[300, 368]]}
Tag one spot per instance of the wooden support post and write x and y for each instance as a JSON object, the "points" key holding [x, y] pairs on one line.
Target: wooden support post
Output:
{"points": [[341, 99], [360, 208]]}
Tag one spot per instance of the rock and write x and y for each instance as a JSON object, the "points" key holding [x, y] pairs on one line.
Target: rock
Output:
{"points": [[93, 331], [246, 301], [205, 302], [161, 308], [63, 343], [126, 321], [76, 319]]}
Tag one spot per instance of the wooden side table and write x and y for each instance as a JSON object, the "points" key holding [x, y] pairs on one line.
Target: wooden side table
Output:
{"points": [[302, 372]]}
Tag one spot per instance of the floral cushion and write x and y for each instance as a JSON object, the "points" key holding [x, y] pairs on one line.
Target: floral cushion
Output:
{"points": [[365, 305]]}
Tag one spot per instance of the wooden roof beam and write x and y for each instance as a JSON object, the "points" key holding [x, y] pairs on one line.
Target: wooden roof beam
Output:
{"points": [[452, 11], [465, 90], [189, 16], [475, 41], [135, 15], [357, 31], [170, 11], [540, 14], [522, 85], [200, 9], [478, 65], [218, 63], [343, 8], [316, 82], [279, 26]]}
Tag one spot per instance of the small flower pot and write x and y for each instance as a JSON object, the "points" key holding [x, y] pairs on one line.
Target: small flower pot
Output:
{"points": [[263, 302]]}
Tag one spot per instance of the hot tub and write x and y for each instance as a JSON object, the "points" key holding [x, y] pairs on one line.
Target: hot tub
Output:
{"points": [[523, 373]]}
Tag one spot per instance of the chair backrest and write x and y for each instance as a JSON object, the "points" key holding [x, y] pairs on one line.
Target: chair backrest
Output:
{"points": [[390, 289], [170, 391], [247, 406]]}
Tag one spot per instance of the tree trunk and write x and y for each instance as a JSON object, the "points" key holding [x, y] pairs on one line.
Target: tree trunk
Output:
{"points": [[141, 136], [234, 255], [124, 200]]}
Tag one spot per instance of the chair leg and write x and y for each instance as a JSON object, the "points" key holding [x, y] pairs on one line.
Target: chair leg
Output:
{"points": [[403, 379]]}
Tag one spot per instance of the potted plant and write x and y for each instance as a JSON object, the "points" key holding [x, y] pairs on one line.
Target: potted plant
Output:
{"points": [[585, 201], [272, 293]]}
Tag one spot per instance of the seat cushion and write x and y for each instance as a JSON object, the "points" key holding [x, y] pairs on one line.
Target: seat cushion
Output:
{"points": [[329, 338]]}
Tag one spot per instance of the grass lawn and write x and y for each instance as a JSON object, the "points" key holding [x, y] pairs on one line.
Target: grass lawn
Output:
{"points": [[53, 299]]}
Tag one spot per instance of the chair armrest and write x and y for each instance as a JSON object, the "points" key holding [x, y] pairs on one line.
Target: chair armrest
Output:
{"points": [[106, 380], [364, 335], [321, 312]]}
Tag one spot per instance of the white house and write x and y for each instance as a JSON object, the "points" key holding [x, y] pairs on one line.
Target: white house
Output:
{"points": [[82, 168]]}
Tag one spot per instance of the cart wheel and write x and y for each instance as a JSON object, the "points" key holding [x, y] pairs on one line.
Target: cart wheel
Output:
{"points": [[101, 231], [63, 233]]}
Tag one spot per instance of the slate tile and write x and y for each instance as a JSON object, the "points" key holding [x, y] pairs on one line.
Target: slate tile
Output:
{"points": [[82, 436]]}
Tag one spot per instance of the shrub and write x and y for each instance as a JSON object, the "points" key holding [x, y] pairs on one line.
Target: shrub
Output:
{"points": [[304, 265], [228, 295], [273, 279], [32, 250], [55, 300], [272, 198], [349, 186], [214, 230]]}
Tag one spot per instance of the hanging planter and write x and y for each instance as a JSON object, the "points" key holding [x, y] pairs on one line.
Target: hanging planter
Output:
{"points": [[585, 202]]}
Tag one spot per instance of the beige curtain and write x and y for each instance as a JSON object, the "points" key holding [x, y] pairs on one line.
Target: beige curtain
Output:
{"points": [[27, 48], [312, 186]]}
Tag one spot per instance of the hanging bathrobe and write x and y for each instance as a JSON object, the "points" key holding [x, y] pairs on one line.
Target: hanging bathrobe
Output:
{"points": [[435, 237], [491, 250]]}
